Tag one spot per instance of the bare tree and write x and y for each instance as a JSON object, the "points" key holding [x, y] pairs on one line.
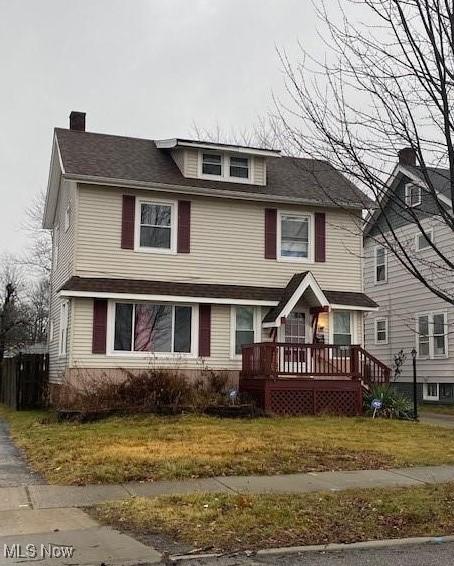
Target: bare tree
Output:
{"points": [[382, 86], [38, 255]]}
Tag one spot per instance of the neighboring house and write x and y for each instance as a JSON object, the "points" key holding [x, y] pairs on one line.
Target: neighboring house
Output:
{"points": [[410, 316], [175, 253]]}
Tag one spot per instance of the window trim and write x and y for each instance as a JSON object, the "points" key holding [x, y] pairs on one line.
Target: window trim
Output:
{"points": [[407, 195], [311, 247], [385, 280], [426, 396], [225, 167], [166, 355], [63, 327], [376, 321], [420, 234], [173, 226], [430, 315], [257, 328], [56, 246]]}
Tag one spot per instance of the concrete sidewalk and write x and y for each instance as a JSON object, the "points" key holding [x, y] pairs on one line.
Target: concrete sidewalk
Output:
{"points": [[58, 496]]}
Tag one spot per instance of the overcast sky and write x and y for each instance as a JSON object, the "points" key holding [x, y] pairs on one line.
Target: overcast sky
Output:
{"points": [[146, 68]]}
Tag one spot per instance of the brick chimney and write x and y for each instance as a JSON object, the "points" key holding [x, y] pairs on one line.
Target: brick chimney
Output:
{"points": [[407, 156], [77, 121]]}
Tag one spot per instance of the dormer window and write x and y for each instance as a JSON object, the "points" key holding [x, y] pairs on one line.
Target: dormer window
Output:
{"points": [[412, 195], [212, 164], [239, 167]]}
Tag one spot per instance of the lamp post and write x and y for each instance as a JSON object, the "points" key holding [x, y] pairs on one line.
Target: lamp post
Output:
{"points": [[415, 389]]}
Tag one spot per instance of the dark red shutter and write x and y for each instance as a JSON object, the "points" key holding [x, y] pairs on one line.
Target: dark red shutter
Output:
{"points": [[204, 330], [270, 233], [99, 326], [184, 227], [320, 236], [127, 222]]}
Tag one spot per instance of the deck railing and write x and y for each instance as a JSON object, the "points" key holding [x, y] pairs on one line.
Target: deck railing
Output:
{"points": [[281, 359]]}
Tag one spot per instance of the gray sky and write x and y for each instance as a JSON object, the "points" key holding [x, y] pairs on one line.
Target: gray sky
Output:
{"points": [[146, 68]]}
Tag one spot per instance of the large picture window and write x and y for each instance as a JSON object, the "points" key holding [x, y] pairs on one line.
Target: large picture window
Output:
{"points": [[154, 328], [432, 335], [156, 226], [295, 240]]}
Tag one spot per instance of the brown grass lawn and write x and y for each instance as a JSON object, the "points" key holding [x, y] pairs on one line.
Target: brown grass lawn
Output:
{"points": [[230, 522], [148, 447], [438, 409]]}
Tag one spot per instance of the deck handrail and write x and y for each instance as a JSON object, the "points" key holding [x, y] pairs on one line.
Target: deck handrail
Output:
{"points": [[280, 359]]}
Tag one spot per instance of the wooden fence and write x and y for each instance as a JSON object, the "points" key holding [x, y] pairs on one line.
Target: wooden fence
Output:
{"points": [[24, 380]]}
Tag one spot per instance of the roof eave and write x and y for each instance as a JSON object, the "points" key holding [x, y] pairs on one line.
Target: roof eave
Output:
{"points": [[56, 170], [173, 143]]}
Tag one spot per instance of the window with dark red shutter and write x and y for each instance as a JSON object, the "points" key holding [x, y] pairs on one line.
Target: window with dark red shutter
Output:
{"points": [[99, 326], [204, 330], [184, 227], [270, 233], [320, 236], [127, 222]]}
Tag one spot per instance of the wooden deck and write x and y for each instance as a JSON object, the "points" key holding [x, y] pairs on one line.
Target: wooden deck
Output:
{"points": [[303, 379]]}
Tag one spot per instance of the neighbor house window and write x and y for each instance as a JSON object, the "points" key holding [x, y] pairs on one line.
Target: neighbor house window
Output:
{"points": [[154, 328], [381, 331], [412, 195], [430, 392], [244, 327], [431, 335], [423, 240], [156, 226], [380, 265], [295, 236], [63, 334], [239, 167], [56, 244], [67, 218], [342, 332], [212, 164]]}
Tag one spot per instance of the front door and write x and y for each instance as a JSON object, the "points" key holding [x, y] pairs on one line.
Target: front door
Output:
{"points": [[295, 359]]}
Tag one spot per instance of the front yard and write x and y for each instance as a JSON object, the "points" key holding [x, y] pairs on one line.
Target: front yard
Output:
{"points": [[148, 447], [233, 522]]}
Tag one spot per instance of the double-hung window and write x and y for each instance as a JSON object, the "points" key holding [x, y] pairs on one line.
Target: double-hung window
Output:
{"points": [[430, 392], [212, 164], [63, 331], [239, 167], [295, 237], [156, 226], [412, 195], [431, 335], [153, 328], [342, 328], [381, 331], [423, 240], [381, 270], [244, 327]]}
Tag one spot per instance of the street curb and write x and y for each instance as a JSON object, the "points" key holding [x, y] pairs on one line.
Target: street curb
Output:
{"points": [[385, 543]]}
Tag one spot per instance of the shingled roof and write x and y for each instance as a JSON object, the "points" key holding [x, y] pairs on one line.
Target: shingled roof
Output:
{"points": [[87, 155]]}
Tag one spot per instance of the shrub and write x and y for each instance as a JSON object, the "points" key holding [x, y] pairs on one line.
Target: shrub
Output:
{"points": [[394, 405]]}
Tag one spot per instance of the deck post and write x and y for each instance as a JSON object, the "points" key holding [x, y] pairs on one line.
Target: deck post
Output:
{"points": [[354, 369]]}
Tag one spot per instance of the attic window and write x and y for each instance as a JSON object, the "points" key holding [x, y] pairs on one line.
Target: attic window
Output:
{"points": [[239, 167], [212, 164], [412, 195]]}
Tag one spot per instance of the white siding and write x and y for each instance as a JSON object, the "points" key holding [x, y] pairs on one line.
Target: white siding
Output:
{"points": [[227, 245], [403, 296]]}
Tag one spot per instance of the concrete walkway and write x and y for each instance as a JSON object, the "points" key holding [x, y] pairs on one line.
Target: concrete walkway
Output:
{"points": [[13, 469], [55, 496]]}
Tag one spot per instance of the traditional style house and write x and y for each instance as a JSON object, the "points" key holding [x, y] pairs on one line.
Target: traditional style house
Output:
{"points": [[182, 254], [410, 316]]}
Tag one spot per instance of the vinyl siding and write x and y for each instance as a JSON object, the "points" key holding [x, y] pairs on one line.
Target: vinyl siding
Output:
{"points": [[191, 163], [402, 297], [60, 273], [179, 157], [259, 170], [227, 244]]}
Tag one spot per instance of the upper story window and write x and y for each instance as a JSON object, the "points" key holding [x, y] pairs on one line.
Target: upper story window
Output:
{"points": [[381, 269], [294, 236], [239, 167], [152, 328], [412, 195], [212, 164], [156, 231], [423, 240]]}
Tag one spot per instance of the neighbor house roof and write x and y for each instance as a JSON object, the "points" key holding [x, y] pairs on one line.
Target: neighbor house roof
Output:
{"points": [[89, 156], [208, 292]]}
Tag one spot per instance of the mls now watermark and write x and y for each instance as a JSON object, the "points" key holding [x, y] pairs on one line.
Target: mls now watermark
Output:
{"points": [[37, 551]]}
